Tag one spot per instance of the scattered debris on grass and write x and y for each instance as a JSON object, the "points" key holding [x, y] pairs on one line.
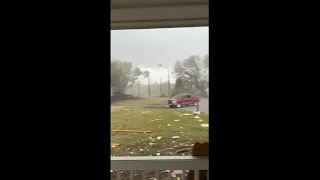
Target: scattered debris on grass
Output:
{"points": [[205, 125], [136, 131], [155, 120], [158, 122]]}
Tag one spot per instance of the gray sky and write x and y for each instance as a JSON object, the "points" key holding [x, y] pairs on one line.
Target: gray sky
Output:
{"points": [[148, 47]]}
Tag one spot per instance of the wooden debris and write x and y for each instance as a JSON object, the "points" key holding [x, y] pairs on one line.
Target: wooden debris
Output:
{"points": [[115, 144], [136, 131]]}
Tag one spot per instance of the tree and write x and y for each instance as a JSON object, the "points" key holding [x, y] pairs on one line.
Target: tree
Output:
{"points": [[123, 75], [192, 75], [146, 74]]}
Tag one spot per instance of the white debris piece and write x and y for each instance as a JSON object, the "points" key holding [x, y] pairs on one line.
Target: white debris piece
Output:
{"points": [[168, 124], [196, 112], [177, 120], [205, 125], [158, 154], [159, 137], [175, 137], [177, 171]]}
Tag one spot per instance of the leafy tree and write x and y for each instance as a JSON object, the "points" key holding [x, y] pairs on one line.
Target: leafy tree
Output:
{"points": [[123, 75], [192, 75]]}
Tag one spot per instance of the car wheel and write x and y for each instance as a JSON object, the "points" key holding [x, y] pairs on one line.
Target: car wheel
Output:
{"points": [[178, 105]]}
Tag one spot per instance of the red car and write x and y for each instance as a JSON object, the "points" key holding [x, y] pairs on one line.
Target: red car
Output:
{"points": [[181, 100]]}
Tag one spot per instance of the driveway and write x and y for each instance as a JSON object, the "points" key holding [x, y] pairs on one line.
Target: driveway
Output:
{"points": [[203, 106]]}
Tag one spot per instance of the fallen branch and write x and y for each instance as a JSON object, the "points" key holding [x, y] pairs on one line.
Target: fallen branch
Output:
{"points": [[183, 150], [136, 131]]}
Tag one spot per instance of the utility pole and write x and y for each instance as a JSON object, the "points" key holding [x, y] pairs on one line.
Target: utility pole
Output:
{"points": [[169, 94], [146, 74], [160, 87]]}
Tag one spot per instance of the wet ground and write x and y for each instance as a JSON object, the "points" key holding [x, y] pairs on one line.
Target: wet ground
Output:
{"points": [[203, 106]]}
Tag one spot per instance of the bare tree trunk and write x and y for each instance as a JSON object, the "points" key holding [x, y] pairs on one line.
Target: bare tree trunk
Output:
{"points": [[138, 89], [203, 93]]}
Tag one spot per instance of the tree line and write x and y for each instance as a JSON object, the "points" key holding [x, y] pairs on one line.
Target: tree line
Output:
{"points": [[192, 76], [156, 89]]}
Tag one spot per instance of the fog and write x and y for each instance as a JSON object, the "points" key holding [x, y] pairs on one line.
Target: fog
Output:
{"points": [[149, 47]]}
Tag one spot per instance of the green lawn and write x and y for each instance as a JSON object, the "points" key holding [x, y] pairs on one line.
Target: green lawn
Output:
{"points": [[163, 122]]}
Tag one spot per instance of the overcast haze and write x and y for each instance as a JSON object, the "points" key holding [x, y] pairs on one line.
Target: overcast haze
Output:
{"points": [[148, 47]]}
